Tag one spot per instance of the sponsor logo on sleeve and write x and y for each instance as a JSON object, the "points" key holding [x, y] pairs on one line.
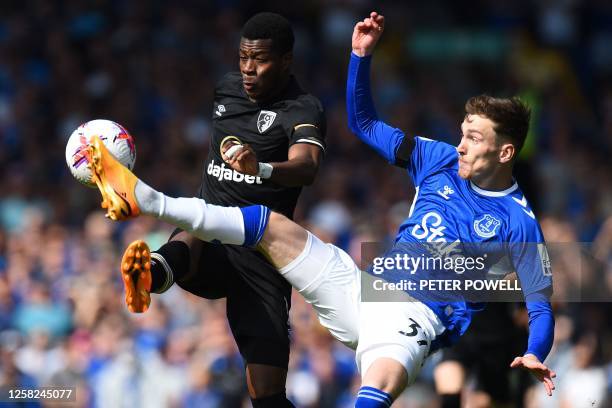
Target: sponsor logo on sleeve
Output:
{"points": [[545, 260], [220, 110], [446, 192]]}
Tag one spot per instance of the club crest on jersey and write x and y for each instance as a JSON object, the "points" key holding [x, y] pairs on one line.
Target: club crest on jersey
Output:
{"points": [[486, 227], [265, 120]]}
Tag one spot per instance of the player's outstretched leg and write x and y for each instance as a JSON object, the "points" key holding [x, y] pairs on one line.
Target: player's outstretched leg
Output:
{"points": [[125, 196], [136, 276], [324, 275], [115, 182]]}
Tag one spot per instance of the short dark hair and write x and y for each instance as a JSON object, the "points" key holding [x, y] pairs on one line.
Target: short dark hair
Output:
{"points": [[510, 116], [270, 26]]}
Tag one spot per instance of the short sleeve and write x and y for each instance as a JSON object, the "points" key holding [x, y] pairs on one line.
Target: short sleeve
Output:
{"points": [[530, 257], [429, 156], [306, 123], [227, 87]]}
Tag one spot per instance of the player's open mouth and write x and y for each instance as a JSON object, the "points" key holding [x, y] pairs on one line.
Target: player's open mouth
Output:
{"points": [[249, 85]]}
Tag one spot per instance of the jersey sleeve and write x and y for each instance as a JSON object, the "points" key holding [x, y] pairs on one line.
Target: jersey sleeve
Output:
{"points": [[529, 255], [429, 156], [541, 324], [532, 265], [306, 123], [226, 86], [361, 114]]}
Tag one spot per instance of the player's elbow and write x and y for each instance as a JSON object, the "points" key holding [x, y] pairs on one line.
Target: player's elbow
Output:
{"points": [[358, 127], [309, 176], [352, 124], [363, 126], [311, 168], [303, 174]]}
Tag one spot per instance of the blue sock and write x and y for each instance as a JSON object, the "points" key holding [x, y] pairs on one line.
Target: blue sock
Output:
{"points": [[370, 397], [255, 222]]}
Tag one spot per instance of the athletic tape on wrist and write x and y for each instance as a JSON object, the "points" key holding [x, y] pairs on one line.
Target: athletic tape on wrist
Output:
{"points": [[265, 170]]}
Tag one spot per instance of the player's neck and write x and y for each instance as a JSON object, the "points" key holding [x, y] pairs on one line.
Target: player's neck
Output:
{"points": [[497, 181], [283, 82]]}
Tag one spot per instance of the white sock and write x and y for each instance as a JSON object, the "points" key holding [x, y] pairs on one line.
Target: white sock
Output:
{"points": [[207, 222], [149, 200]]}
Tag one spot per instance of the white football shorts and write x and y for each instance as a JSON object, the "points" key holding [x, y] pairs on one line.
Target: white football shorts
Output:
{"points": [[402, 331], [328, 278]]}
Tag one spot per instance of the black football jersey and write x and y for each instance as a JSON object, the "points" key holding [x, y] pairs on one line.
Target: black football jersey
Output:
{"points": [[270, 128]]}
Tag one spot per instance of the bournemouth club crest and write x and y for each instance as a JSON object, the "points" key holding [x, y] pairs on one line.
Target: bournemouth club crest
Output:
{"points": [[265, 120], [486, 226]]}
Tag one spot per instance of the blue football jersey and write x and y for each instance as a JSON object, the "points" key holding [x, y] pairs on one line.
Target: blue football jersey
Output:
{"points": [[452, 218], [448, 209]]}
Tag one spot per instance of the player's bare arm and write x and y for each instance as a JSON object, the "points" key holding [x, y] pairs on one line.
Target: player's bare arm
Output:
{"points": [[300, 168]]}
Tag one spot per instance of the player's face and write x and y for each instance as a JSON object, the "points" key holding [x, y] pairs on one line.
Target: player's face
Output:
{"points": [[479, 149], [262, 68]]}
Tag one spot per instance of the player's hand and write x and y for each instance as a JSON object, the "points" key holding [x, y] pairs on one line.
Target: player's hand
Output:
{"points": [[366, 34], [539, 370], [242, 159]]}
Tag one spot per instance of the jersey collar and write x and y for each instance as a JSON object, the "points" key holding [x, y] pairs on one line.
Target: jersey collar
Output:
{"points": [[490, 193]]}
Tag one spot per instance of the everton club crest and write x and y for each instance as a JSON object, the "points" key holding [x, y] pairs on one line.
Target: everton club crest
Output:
{"points": [[265, 120], [486, 227]]}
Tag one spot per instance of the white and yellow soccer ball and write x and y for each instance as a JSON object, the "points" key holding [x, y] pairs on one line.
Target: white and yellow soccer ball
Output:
{"points": [[117, 140]]}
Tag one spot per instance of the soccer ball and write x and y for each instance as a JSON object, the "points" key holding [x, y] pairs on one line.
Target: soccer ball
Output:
{"points": [[114, 136]]}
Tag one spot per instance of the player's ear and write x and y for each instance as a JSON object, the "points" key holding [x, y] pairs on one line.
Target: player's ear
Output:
{"points": [[506, 152]]}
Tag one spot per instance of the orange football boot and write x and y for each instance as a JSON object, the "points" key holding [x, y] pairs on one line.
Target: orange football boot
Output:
{"points": [[136, 276], [115, 182]]}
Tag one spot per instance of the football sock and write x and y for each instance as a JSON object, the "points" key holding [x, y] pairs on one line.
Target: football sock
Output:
{"points": [[450, 400], [168, 264], [149, 201], [370, 397], [255, 222], [273, 401], [205, 221], [208, 222]]}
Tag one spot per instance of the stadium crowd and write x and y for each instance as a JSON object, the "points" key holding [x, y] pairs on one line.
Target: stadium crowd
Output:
{"points": [[151, 66]]}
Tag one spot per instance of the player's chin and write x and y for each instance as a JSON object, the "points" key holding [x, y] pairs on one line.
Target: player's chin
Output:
{"points": [[464, 174], [252, 91]]}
